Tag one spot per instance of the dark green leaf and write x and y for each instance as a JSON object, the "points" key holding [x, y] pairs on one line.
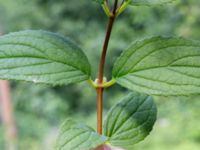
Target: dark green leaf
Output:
{"points": [[76, 136], [131, 120], [42, 57], [160, 66]]}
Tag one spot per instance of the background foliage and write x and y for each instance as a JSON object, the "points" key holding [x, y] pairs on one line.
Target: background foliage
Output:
{"points": [[39, 109]]}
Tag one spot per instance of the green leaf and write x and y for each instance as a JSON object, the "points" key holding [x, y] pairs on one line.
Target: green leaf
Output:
{"points": [[160, 66], [42, 57], [76, 136], [149, 2], [131, 120]]}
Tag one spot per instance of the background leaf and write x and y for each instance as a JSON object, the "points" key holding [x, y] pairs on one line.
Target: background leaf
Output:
{"points": [[160, 66], [131, 120], [150, 2], [42, 57], [99, 1], [77, 136]]}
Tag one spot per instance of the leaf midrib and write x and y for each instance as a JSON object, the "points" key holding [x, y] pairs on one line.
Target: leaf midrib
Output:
{"points": [[139, 106], [44, 57], [153, 51]]}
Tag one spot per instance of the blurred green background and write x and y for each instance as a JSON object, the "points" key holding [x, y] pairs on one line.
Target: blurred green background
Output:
{"points": [[40, 109]]}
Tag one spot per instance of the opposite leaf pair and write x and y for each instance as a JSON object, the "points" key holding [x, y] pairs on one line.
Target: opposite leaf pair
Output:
{"points": [[142, 2], [155, 66], [126, 124], [124, 3]]}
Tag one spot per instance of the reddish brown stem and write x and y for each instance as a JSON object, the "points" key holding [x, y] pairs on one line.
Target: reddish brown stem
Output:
{"points": [[101, 69]]}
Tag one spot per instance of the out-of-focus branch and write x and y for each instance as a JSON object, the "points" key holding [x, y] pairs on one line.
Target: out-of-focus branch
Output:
{"points": [[7, 116]]}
